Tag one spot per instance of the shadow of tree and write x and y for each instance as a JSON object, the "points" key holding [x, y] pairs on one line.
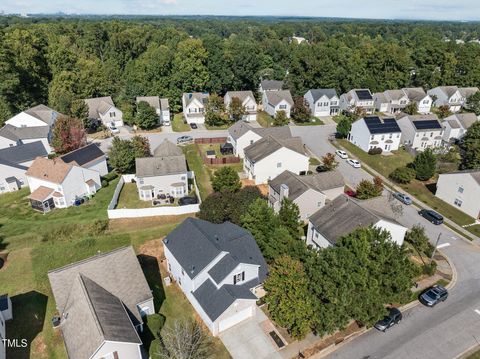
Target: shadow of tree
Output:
{"points": [[28, 317], [3, 244]]}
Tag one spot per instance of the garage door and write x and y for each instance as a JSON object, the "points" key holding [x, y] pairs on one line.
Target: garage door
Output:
{"points": [[235, 319]]}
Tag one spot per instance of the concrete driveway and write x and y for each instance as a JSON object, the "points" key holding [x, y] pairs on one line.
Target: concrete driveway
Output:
{"points": [[247, 340]]}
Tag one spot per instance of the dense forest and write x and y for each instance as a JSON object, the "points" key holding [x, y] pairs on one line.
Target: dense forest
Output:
{"points": [[58, 60]]}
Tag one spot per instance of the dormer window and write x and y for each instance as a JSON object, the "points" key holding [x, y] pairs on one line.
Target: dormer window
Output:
{"points": [[239, 277]]}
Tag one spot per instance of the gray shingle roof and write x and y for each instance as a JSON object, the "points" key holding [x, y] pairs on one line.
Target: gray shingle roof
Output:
{"points": [[225, 266], [23, 153], [415, 93], [153, 101], [318, 93], [166, 149], [394, 95], [200, 96], [98, 105], [464, 119], [467, 91], [43, 113], [239, 128], [83, 155], [474, 173], [24, 133], [241, 95], [271, 85], [164, 104], [269, 144], [275, 97], [160, 166]]}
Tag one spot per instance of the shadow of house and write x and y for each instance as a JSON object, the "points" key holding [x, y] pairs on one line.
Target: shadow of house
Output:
{"points": [[28, 318], [432, 187]]}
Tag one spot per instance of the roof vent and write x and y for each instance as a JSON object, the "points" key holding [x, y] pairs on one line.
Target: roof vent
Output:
{"points": [[216, 238], [193, 269]]}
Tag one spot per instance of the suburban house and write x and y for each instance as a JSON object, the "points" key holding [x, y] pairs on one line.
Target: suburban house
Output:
{"points": [[242, 135], [219, 268], [420, 131], [342, 216], [163, 175], [374, 132], [390, 101], [248, 102], [309, 193], [101, 302], [102, 109], [266, 158], [5, 314], [37, 116], [194, 106], [357, 98], [461, 190], [275, 101], [270, 85], [90, 157], [455, 126], [54, 183], [420, 97], [452, 96], [14, 162], [161, 107], [11, 136], [322, 102]]}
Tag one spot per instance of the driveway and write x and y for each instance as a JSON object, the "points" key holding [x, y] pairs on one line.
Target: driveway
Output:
{"points": [[247, 340]]}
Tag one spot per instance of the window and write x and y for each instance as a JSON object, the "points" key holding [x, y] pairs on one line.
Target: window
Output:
{"points": [[239, 277], [180, 281], [333, 103], [417, 134], [398, 135], [183, 273], [460, 189], [390, 135], [279, 164], [140, 180], [431, 134], [458, 202], [251, 141], [372, 137], [183, 178], [169, 267], [112, 114], [425, 102], [325, 104], [383, 137], [282, 107]]}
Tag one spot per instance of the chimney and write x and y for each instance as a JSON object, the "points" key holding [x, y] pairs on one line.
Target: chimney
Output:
{"points": [[283, 192]]}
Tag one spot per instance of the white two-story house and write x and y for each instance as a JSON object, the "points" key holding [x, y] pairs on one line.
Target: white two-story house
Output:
{"points": [[390, 101], [275, 101], [270, 85], [452, 96], [37, 116], [322, 102], [102, 109], [248, 102], [194, 106], [420, 97], [374, 132], [219, 268], [266, 158], [357, 98], [420, 131], [455, 126]]}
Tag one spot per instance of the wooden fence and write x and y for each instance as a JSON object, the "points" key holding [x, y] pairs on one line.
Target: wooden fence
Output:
{"points": [[211, 140]]}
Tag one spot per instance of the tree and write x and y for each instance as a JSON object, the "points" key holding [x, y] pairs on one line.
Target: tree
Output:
{"points": [[123, 153], [289, 216], [146, 116], [185, 340], [226, 178], [140, 146], [281, 119], [411, 108], [344, 126], [425, 164], [366, 189], [300, 110], [236, 110], [444, 111], [402, 175], [473, 103], [289, 300], [329, 162], [417, 237], [470, 148], [79, 109], [215, 111], [68, 135]]}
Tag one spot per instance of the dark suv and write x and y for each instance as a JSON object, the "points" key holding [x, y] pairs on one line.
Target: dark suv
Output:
{"points": [[394, 317], [431, 216], [433, 296]]}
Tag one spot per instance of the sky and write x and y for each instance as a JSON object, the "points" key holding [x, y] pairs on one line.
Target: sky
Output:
{"points": [[374, 9]]}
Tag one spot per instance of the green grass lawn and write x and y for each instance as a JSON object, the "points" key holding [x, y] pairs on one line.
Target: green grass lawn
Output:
{"points": [[222, 127], [313, 122], [129, 198], [475, 355], [264, 119], [202, 172], [178, 125]]}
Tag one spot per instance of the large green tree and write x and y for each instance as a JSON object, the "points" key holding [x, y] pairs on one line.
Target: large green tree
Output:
{"points": [[425, 164], [470, 147], [226, 178], [123, 153], [146, 116]]}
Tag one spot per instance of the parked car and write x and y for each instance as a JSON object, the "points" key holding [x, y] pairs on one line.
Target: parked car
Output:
{"points": [[321, 168], [187, 200], [354, 163], [394, 317], [403, 198], [433, 295], [114, 130], [431, 216], [193, 126], [351, 193], [341, 154], [184, 139]]}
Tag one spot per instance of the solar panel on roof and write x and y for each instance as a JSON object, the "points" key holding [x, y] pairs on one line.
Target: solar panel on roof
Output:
{"points": [[364, 95], [376, 125], [426, 124]]}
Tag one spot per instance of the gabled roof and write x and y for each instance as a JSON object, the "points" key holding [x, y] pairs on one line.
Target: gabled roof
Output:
{"points": [[202, 97], [167, 149], [83, 155], [153, 101], [449, 91], [464, 120], [160, 166], [271, 85], [466, 92], [275, 97], [319, 93], [422, 122], [343, 215], [43, 113], [475, 174], [241, 95], [98, 105], [362, 94], [377, 125], [394, 95], [269, 144], [297, 185], [24, 133], [52, 170], [23, 153], [239, 128], [415, 93], [164, 104]]}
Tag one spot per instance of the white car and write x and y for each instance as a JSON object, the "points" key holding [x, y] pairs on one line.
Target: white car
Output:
{"points": [[341, 154], [354, 163], [114, 130]]}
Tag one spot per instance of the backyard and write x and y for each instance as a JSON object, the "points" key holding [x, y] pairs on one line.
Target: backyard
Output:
{"points": [[129, 198], [264, 119]]}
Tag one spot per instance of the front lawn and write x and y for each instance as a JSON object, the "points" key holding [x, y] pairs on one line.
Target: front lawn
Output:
{"points": [[313, 122], [178, 125], [221, 127], [264, 119]]}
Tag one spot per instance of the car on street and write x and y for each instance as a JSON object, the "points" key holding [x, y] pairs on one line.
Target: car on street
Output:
{"points": [[433, 295], [394, 317], [184, 140], [403, 198], [187, 200], [354, 163], [431, 216], [341, 154], [193, 126]]}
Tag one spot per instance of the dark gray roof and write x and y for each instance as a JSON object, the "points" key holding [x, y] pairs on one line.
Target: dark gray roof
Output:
{"points": [[269, 144], [343, 215], [23, 153], [378, 125], [269, 85], [167, 149], [224, 266], [275, 97], [98, 105], [24, 133], [239, 128], [195, 243], [160, 166], [464, 119], [318, 93], [83, 155]]}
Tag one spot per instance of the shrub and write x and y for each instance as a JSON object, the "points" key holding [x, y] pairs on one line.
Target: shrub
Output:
{"points": [[375, 151], [155, 323], [110, 176], [403, 175], [367, 189], [98, 226], [156, 349], [430, 269], [425, 164], [104, 183]]}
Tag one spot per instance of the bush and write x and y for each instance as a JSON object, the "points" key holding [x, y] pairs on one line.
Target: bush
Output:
{"points": [[99, 226], [155, 323], [110, 176], [367, 189], [430, 269], [156, 348], [375, 151], [425, 164], [104, 183], [403, 175]]}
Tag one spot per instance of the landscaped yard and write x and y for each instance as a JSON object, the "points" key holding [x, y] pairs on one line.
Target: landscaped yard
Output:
{"points": [[313, 122], [202, 173], [264, 119], [178, 125], [129, 198]]}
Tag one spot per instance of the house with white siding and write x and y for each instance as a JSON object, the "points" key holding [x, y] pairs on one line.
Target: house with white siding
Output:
{"points": [[194, 106], [461, 190], [420, 131], [322, 102], [374, 132], [342, 216], [420, 97], [357, 98], [102, 109], [36, 116], [248, 102], [455, 126], [90, 157], [219, 268], [102, 302], [452, 96], [266, 158], [11, 136], [390, 101], [275, 101], [309, 192]]}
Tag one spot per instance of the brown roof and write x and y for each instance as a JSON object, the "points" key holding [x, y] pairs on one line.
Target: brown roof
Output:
{"points": [[57, 194], [41, 193], [90, 182], [49, 170]]}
